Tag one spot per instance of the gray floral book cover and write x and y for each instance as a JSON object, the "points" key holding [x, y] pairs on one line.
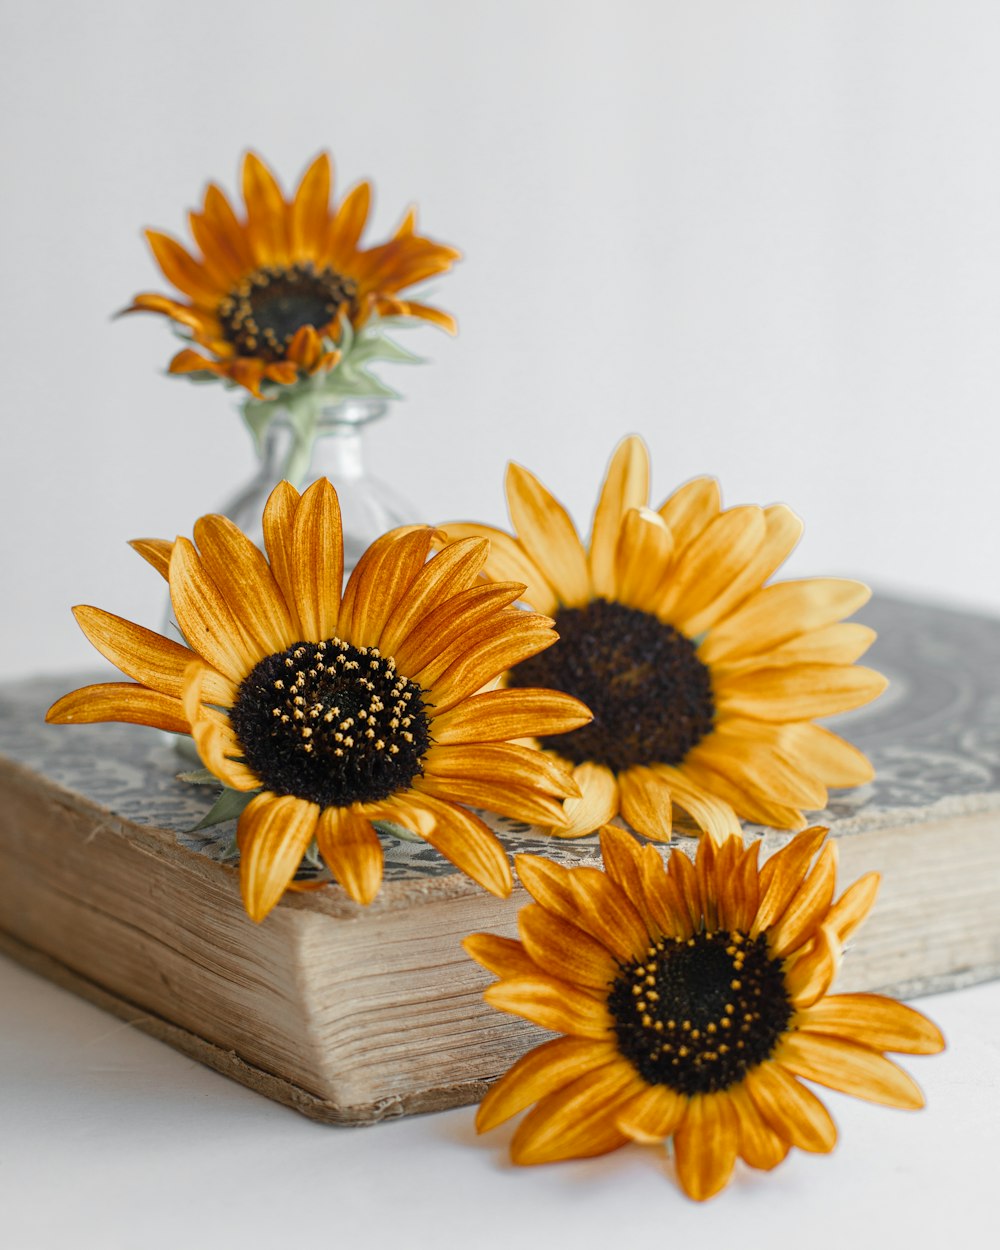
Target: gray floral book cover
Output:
{"points": [[933, 737]]}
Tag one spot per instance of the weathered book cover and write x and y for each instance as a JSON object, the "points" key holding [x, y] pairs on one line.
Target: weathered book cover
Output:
{"points": [[354, 1014]]}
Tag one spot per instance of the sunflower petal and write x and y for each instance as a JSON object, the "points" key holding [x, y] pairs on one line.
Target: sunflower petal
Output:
{"points": [[273, 834], [499, 715], [782, 611], [710, 564], [509, 562], [311, 209], [760, 1146], [204, 616], [150, 659], [706, 1145], [874, 1021], [453, 569], [155, 551], [540, 1072], [645, 549], [548, 535], [791, 1110], [626, 486], [853, 906], [690, 509], [597, 804], [463, 839], [351, 850], [577, 1121], [653, 1115], [808, 908], [646, 802], [379, 580], [552, 1004], [564, 950], [799, 692], [246, 583], [504, 957], [852, 1069], [317, 569], [119, 701]]}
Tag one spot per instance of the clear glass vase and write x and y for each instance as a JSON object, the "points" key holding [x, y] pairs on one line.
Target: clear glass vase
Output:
{"points": [[368, 506]]}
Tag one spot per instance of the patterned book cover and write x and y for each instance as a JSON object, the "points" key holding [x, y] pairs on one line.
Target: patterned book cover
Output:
{"points": [[933, 737]]}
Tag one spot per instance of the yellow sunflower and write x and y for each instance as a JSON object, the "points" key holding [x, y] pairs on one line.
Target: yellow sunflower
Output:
{"points": [[265, 298], [704, 682], [693, 1000], [340, 709]]}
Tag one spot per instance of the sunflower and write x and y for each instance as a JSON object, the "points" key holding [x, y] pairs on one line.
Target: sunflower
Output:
{"points": [[338, 710], [703, 681], [266, 298], [693, 1000]]}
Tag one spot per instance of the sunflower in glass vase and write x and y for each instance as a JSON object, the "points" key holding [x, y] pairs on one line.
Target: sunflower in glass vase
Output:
{"points": [[286, 303]]}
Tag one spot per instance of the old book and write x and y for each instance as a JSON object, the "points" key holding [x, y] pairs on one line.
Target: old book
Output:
{"points": [[354, 1014]]}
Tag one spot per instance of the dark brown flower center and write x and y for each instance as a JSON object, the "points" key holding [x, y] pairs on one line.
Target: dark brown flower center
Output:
{"points": [[650, 694], [698, 1014], [331, 723], [262, 314]]}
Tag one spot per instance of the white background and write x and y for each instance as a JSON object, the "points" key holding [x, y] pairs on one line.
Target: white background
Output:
{"points": [[111, 1141], [765, 235]]}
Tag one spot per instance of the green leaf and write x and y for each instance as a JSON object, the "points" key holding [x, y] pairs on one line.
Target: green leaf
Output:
{"points": [[199, 777], [396, 831], [227, 806]]}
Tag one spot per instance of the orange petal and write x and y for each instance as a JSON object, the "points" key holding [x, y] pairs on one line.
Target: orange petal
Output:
{"points": [[540, 1072], [852, 1069], [311, 209], [155, 551], [150, 659], [460, 837], [626, 486], [874, 1021], [645, 551], [317, 569], [548, 535], [204, 616], [577, 1121], [451, 570], [653, 1115], [646, 803], [380, 579], [273, 835], [498, 715], [709, 565], [791, 1110], [246, 582], [809, 906], [690, 509], [509, 562], [351, 850], [597, 804], [279, 524], [552, 1004], [119, 701], [782, 611], [183, 270], [489, 761], [706, 1145], [502, 956], [564, 950]]}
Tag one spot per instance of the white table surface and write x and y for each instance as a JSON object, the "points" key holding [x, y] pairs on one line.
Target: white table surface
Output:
{"points": [[110, 1139]]}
